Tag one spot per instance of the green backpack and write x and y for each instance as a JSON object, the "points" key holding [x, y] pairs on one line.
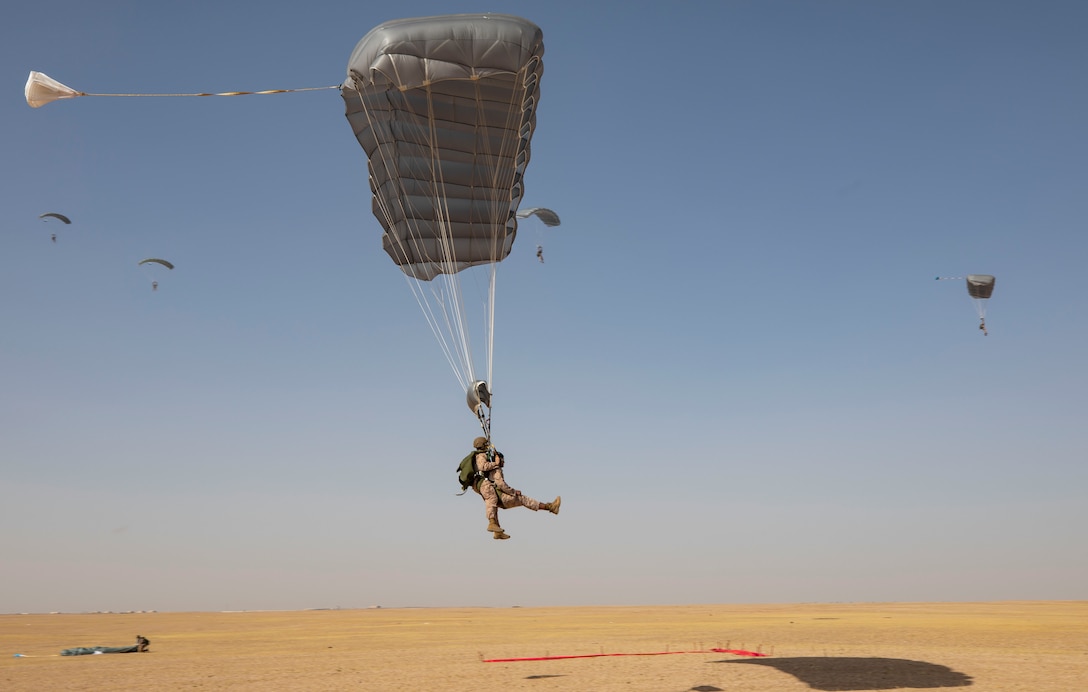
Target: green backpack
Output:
{"points": [[467, 471]]}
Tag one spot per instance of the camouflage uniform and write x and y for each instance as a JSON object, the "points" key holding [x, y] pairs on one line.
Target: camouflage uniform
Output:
{"points": [[495, 490], [496, 493]]}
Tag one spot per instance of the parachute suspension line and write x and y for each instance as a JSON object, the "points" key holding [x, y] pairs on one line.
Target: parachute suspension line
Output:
{"points": [[428, 309], [458, 327], [495, 249], [453, 313], [508, 147], [980, 308], [414, 285], [443, 315], [491, 325], [442, 302]]}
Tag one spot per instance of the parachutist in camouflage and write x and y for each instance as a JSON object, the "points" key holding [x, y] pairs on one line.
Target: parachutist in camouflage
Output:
{"points": [[540, 253], [982, 326], [154, 285], [492, 487]]}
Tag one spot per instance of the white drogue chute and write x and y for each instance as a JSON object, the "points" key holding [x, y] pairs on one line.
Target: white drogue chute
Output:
{"points": [[42, 89]]}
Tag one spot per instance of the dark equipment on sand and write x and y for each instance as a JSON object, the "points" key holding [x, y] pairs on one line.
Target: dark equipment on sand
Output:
{"points": [[139, 647]]}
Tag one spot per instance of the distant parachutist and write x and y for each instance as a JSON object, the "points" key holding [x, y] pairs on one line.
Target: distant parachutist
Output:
{"points": [[54, 215], [540, 253], [156, 260], [979, 287]]}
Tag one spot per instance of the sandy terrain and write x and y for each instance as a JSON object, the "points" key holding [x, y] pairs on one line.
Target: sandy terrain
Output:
{"points": [[1029, 646]]}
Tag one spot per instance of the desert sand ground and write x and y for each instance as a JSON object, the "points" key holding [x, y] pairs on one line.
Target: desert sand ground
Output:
{"points": [[1029, 646]]}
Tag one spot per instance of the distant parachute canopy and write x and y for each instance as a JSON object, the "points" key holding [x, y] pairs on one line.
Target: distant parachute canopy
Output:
{"points": [[980, 286], [549, 217], [54, 215], [155, 260]]}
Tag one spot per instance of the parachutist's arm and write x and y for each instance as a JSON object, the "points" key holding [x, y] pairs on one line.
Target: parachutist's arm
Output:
{"points": [[485, 463], [501, 484]]}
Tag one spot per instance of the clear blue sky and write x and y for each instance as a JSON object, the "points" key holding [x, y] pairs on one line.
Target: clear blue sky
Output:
{"points": [[736, 366]]}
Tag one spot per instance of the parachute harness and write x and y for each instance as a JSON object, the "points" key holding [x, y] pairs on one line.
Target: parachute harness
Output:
{"points": [[476, 475]]}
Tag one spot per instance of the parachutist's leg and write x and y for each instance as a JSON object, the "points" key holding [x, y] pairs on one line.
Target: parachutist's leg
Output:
{"points": [[491, 506], [510, 501], [552, 506]]}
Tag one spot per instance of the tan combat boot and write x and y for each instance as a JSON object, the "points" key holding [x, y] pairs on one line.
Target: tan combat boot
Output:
{"points": [[553, 506], [500, 535], [493, 527]]}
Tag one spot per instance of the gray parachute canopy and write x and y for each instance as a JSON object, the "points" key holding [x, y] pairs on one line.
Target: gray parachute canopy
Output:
{"points": [[55, 215], [547, 216], [445, 108], [980, 286], [155, 260]]}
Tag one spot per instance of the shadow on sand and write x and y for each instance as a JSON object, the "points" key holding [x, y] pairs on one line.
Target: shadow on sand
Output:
{"points": [[842, 674], [541, 677]]}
